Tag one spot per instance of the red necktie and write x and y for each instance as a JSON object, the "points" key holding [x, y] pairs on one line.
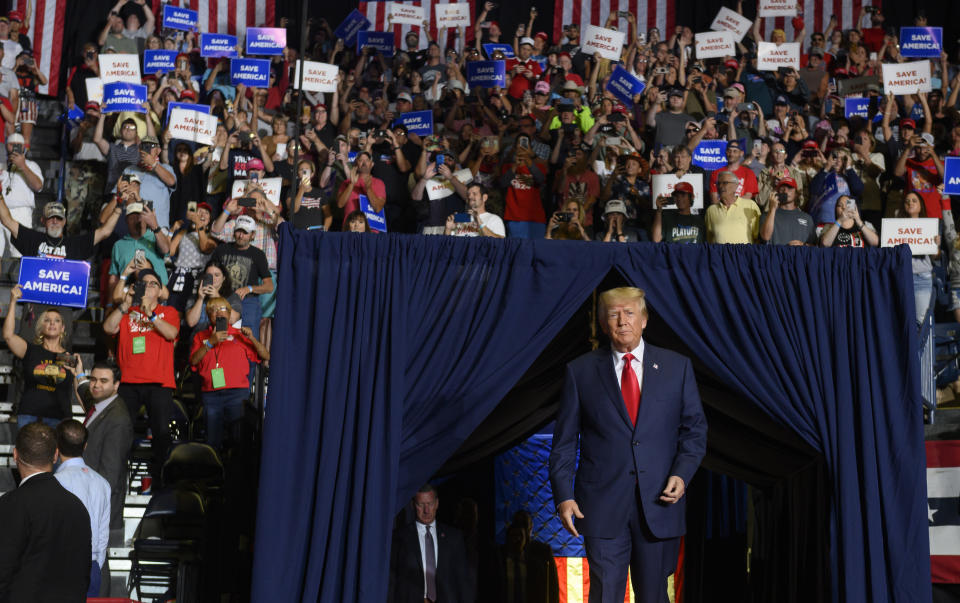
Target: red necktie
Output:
{"points": [[630, 388], [89, 414]]}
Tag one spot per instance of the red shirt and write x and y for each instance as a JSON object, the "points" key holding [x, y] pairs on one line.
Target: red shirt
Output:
{"points": [[925, 186], [233, 355], [873, 38], [748, 180], [353, 203], [519, 84], [522, 200], [155, 363]]}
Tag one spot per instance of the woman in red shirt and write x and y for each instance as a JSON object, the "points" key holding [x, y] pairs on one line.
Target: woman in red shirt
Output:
{"points": [[222, 355]]}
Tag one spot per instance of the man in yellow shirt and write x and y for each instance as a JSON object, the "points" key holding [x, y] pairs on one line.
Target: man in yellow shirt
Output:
{"points": [[734, 219]]}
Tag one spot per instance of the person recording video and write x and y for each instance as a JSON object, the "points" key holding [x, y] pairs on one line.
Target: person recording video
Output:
{"points": [[674, 222]]}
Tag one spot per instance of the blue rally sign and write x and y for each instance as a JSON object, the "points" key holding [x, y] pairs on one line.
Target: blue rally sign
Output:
{"points": [[711, 154], [382, 41], [506, 49], [624, 86], [486, 74], [417, 122], [214, 45], [376, 219], [175, 17], [123, 96], [253, 73], [55, 282], [856, 107], [951, 176], [156, 61], [347, 31], [269, 41], [921, 42]]}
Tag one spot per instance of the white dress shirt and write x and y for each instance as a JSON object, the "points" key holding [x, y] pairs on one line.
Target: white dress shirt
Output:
{"points": [[94, 492], [99, 407], [636, 364], [421, 536]]}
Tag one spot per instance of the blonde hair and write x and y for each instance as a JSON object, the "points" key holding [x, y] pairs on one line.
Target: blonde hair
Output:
{"points": [[38, 326], [215, 302], [623, 295]]}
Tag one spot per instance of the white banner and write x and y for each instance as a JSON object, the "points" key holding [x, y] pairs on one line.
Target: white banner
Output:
{"points": [[735, 23], [319, 77], [607, 43], [454, 14], [663, 185], [771, 57], [441, 188], [777, 8], [195, 126], [402, 12], [270, 186], [919, 233], [906, 78], [120, 68], [94, 90], [714, 44]]}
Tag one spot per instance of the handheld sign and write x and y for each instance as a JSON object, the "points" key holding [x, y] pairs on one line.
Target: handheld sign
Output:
{"points": [[194, 126], [317, 77], [402, 12], [441, 188], [624, 86], [777, 8], [347, 31], [122, 96], [157, 61], [120, 68], [857, 85], [921, 42], [710, 154], [906, 78], [254, 73], [714, 44], [951, 176], [486, 74], [268, 41], [270, 186], [185, 107], [607, 43], [732, 21], [376, 219], [856, 107], [417, 122], [381, 41], [771, 57], [663, 184], [454, 14], [919, 233], [183, 19], [53, 281], [94, 89], [214, 45], [506, 49]]}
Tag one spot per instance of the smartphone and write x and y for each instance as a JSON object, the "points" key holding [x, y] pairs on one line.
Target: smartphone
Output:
{"points": [[524, 143], [254, 177], [781, 198], [207, 280], [851, 204], [439, 160], [623, 14], [757, 145], [139, 290], [221, 325], [642, 38], [67, 359], [462, 218], [191, 206], [564, 216], [247, 202], [139, 256]]}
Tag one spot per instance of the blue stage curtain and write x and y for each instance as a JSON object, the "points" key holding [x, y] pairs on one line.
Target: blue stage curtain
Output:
{"points": [[389, 350]]}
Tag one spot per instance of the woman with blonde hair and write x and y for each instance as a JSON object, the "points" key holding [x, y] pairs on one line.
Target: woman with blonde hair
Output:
{"points": [[47, 382], [568, 223]]}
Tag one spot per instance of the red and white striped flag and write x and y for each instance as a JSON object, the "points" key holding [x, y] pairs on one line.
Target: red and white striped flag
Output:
{"points": [[225, 16], [816, 17], [649, 13], [573, 574], [376, 13], [46, 34], [943, 517]]}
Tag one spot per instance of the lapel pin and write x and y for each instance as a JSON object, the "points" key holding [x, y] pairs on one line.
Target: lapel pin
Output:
{"points": [[656, 366]]}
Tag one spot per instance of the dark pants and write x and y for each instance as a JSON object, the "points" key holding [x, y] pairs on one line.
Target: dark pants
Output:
{"points": [[651, 561], [224, 407], [94, 590], [158, 401]]}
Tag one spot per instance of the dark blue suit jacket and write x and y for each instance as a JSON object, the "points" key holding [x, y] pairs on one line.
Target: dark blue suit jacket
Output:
{"points": [[618, 459]]}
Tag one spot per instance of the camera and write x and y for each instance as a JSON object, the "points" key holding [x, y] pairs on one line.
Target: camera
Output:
{"points": [[380, 134], [246, 138], [564, 216], [616, 117], [661, 71], [67, 359]]}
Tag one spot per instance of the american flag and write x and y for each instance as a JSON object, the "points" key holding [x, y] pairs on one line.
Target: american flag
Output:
{"points": [[816, 17], [573, 573], [225, 16], [46, 34], [943, 509], [376, 13]]}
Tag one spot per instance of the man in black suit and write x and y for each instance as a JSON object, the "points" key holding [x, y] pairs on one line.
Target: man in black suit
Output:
{"points": [[110, 432], [45, 548], [428, 561]]}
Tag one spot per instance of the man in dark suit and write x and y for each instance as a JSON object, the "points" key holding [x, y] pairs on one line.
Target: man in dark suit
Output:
{"points": [[637, 453], [428, 560], [45, 548]]}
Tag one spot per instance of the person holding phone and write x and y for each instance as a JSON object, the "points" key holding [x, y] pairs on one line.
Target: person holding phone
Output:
{"points": [[221, 355], [674, 222], [215, 281], [784, 223], [567, 224], [47, 382], [476, 221], [144, 236], [191, 247], [849, 229]]}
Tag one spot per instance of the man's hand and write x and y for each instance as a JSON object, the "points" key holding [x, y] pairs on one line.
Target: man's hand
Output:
{"points": [[674, 490], [568, 509], [242, 292], [149, 217]]}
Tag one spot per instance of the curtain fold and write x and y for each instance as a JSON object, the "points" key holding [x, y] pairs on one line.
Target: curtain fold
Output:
{"points": [[390, 350]]}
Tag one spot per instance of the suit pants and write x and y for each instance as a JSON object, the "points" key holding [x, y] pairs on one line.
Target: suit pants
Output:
{"points": [[651, 561], [158, 401]]}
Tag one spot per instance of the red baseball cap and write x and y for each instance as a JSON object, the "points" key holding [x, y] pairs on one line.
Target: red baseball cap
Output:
{"points": [[255, 164], [810, 144], [731, 64], [683, 187], [188, 93], [906, 122], [786, 181], [15, 15], [542, 35], [206, 206]]}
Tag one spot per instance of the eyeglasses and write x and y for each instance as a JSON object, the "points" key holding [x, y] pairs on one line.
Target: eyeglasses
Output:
{"points": [[129, 127], [152, 284], [780, 152], [221, 309]]}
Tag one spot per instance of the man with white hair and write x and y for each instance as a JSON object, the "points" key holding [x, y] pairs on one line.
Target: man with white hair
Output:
{"points": [[18, 184]]}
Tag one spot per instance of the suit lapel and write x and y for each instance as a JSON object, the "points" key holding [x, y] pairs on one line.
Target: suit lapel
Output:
{"points": [[609, 380], [414, 534], [650, 386], [103, 413]]}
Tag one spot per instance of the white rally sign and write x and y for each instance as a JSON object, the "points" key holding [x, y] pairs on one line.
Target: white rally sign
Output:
{"points": [[604, 42], [120, 68], [919, 233], [270, 186], [714, 44], [441, 188], [735, 23], [401, 12], [771, 57], [454, 14], [195, 126], [906, 78], [94, 89], [318, 77], [777, 8], [663, 184]]}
